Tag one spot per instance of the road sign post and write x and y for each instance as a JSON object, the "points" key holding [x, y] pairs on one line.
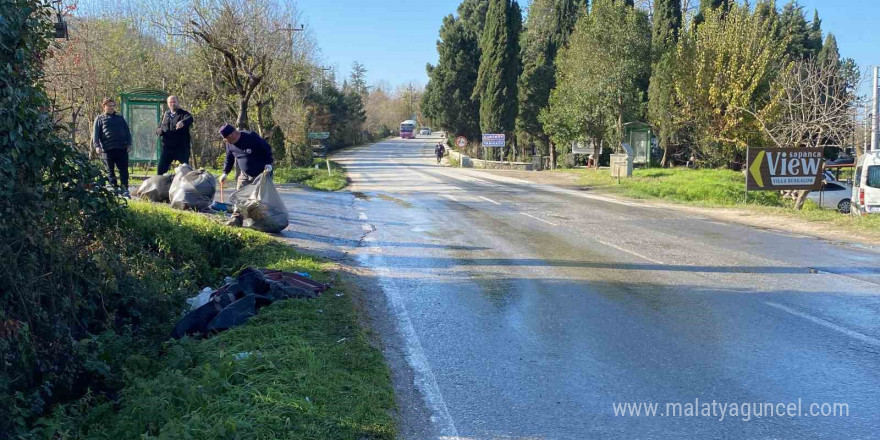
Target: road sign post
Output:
{"points": [[494, 140]]}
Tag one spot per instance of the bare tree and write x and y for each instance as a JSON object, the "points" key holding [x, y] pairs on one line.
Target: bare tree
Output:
{"points": [[816, 107], [248, 36]]}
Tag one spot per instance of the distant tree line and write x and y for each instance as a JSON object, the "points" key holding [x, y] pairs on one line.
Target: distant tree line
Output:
{"points": [[705, 76]]}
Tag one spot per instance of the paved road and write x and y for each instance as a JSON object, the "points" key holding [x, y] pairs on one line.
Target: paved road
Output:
{"points": [[526, 312]]}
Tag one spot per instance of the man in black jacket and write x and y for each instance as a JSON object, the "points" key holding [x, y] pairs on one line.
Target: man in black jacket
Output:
{"points": [[175, 136], [112, 137]]}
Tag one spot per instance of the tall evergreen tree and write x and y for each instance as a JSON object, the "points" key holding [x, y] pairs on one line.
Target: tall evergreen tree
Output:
{"points": [[547, 28], [829, 51], [666, 26], [801, 35], [358, 79], [499, 67], [447, 100], [814, 41]]}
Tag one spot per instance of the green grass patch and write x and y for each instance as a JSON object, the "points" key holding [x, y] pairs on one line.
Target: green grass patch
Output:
{"points": [[716, 188], [309, 176], [310, 374], [315, 177], [704, 186]]}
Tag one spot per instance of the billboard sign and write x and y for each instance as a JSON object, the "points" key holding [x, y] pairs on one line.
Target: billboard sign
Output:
{"points": [[493, 140], [777, 169], [582, 147]]}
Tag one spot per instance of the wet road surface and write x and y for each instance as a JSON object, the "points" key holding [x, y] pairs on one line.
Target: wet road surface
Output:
{"points": [[527, 312]]}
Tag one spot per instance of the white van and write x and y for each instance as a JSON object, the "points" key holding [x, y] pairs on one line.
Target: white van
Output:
{"points": [[866, 185]]}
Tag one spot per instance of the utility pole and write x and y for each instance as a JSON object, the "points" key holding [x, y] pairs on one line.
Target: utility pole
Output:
{"points": [[290, 31], [876, 111], [323, 69]]}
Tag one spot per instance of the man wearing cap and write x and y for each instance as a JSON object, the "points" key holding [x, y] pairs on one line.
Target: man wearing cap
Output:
{"points": [[174, 131], [112, 138], [254, 156]]}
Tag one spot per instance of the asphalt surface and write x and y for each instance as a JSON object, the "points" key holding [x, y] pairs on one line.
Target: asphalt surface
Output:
{"points": [[511, 310]]}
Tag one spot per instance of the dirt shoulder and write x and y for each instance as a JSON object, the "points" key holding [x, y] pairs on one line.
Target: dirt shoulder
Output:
{"points": [[778, 219]]}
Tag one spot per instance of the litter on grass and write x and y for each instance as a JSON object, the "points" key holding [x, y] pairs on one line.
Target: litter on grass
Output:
{"points": [[242, 297]]}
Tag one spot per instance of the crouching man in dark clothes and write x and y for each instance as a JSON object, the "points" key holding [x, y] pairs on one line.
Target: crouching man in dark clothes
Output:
{"points": [[112, 138], [253, 154]]}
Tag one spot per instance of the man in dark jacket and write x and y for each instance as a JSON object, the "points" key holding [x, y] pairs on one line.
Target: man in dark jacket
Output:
{"points": [[254, 156], [174, 131], [112, 138], [438, 151]]}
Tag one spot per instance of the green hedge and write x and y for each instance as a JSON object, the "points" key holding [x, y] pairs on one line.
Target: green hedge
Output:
{"points": [[126, 381]]}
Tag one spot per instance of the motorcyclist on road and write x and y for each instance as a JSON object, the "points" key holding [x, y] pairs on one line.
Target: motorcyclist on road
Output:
{"points": [[438, 150]]}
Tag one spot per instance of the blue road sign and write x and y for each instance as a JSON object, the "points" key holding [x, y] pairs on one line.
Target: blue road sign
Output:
{"points": [[493, 140]]}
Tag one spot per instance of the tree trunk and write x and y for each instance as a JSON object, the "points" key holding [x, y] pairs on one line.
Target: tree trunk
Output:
{"points": [[260, 118], [801, 198], [619, 121], [664, 145], [242, 122], [552, 156]]}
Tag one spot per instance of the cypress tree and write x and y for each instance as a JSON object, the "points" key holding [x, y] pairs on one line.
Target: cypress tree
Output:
{"points": [[829, 51], [547, 29], [665, 30], [499, 67], [814, 39], [448, 95]]}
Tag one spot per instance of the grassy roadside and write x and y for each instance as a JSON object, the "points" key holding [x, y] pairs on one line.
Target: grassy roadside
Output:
{"points": [[309, 176], [309, 372], [715, 189], [315, 177]]}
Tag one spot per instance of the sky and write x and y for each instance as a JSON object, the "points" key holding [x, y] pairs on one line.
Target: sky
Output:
{"points": [[394, 39]]}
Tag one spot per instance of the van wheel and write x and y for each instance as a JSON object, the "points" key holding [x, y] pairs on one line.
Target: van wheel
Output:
{"points": [[844, 206]]}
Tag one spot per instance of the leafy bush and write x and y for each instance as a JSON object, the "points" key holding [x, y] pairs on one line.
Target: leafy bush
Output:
{"points": [[312, 373], [55, 287]]}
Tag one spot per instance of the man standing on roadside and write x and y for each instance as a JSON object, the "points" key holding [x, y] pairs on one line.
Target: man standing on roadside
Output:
{"points": [[253, 154], [174, 131], [112, 138]]}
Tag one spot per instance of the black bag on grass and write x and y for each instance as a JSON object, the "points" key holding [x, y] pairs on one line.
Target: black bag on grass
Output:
{"points": [[192, 190], [156, 188], [261, 205]]}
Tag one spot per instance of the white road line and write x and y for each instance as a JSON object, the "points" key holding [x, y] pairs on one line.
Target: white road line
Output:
{"points": [[450, 197], [539, 219], [851, 333], [424, 378], [489, 200], [612, 245], [367, 227], [362, 216]]}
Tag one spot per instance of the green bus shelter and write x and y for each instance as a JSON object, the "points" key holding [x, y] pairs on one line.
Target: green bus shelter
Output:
{"points": [[143, 109], [638, 135]]}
